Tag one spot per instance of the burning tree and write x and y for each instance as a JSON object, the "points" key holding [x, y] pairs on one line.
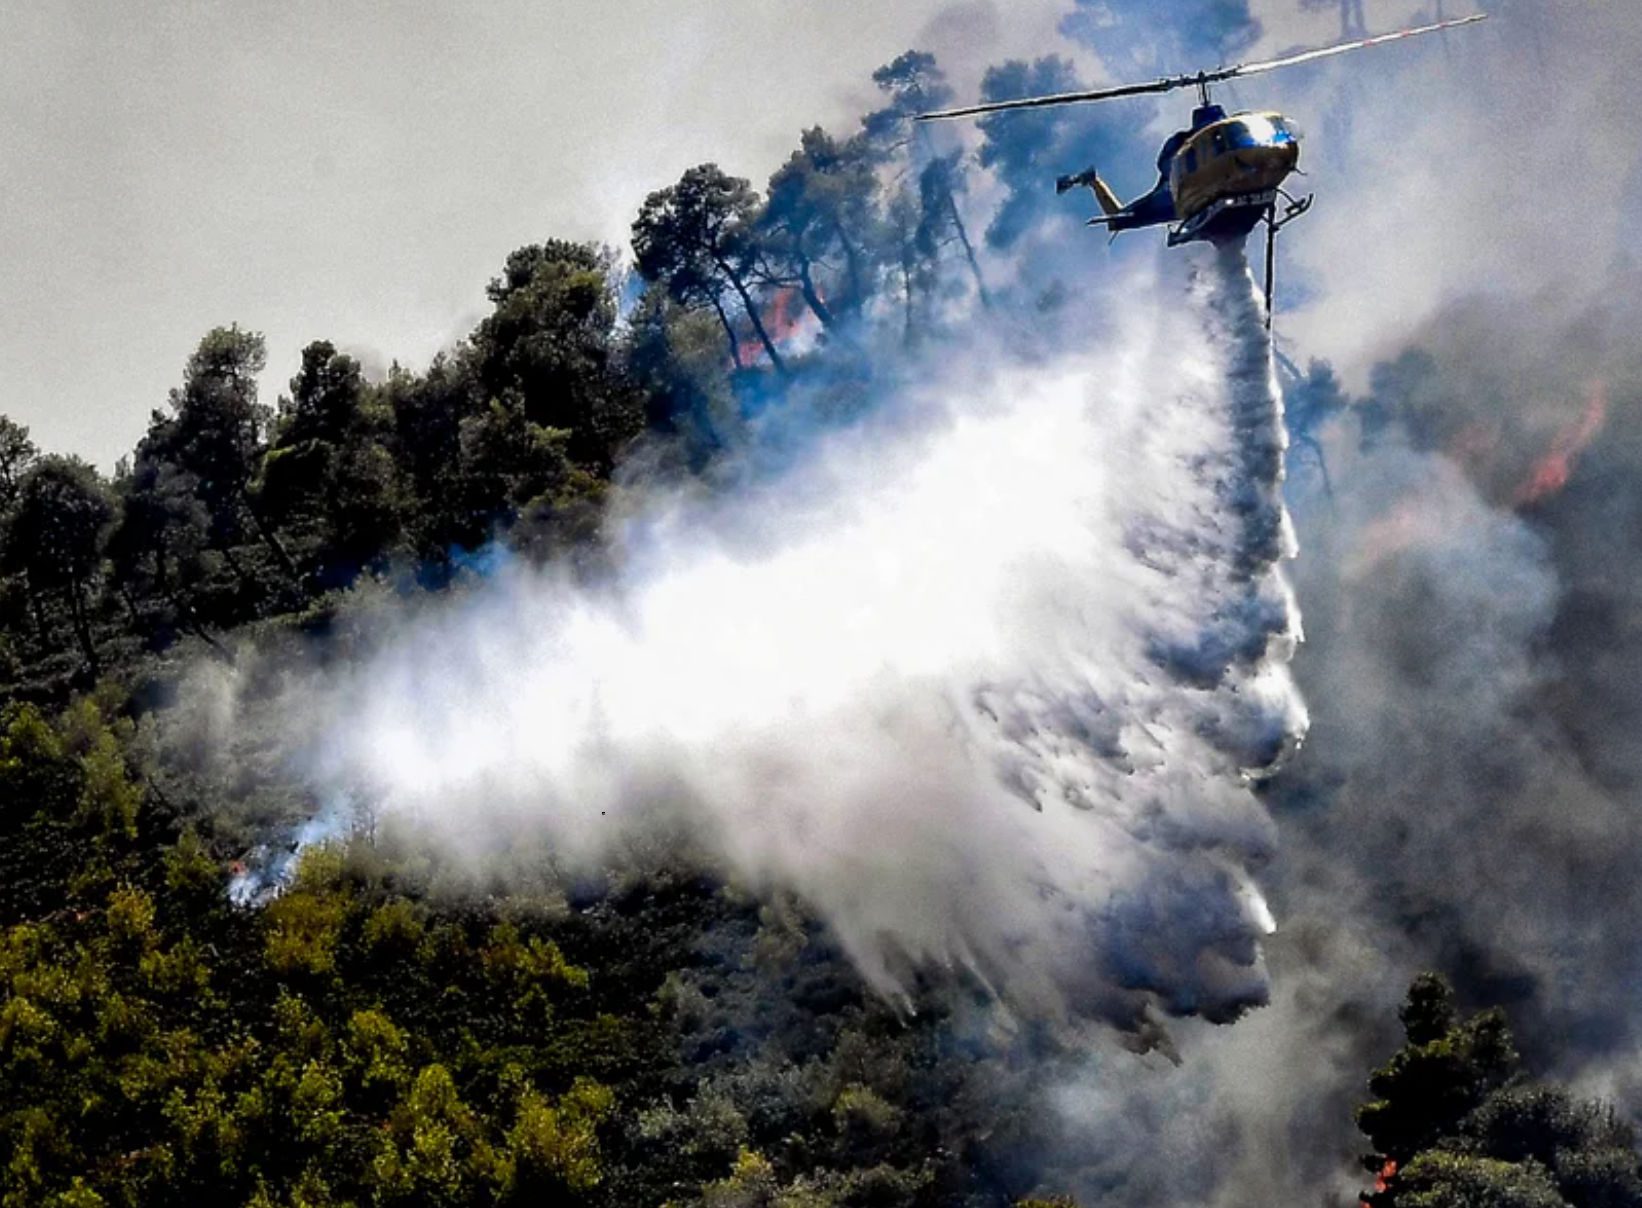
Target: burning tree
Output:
{"points": [[699, 240], [822, 214], [1455, 1122]]}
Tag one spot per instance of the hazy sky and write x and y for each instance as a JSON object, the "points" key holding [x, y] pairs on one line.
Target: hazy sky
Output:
{"points": [[357, 171]]}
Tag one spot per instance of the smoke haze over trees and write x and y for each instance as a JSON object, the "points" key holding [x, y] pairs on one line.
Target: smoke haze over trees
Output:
{"points": [[370, 1017]]}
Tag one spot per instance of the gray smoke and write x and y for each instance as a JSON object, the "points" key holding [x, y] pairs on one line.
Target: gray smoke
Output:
{"points": [[1466, 797], [1483, 739]]}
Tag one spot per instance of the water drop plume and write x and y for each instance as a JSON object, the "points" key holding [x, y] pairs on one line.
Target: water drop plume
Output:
{"points": [[985, 679]]}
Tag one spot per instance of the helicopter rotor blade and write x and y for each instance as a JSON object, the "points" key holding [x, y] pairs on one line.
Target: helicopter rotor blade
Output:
{"points": [[1062, 98], [1307, 56], [1197, 78]]}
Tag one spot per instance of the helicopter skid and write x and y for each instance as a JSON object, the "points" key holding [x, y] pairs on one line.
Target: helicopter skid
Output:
{"points": [[1225, 218]]}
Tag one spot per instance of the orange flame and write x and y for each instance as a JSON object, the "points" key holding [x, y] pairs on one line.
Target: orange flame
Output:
{"points": [[782, 320], [1551, 472], [1382, 1181]]}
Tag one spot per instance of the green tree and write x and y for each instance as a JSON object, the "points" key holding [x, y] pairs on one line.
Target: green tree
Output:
{"points": [[1445, 1071], [926, 183], [160, 1048], [160, 537], [515, 471], [426, 412], [1442, 1179], [54, 537], [216, 437], [326, 397], [1455, 1123], [550, 341], [17, 454], [676, 358], [821, 215], [328, 476], [699, 239]]}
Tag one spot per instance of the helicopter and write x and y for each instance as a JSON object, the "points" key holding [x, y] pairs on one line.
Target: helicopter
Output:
{"points": [[1221, 177]]}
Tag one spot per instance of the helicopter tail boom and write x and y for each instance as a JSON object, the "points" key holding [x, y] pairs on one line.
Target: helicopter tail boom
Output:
{"points": [[1108, 200], [1109, 203]]}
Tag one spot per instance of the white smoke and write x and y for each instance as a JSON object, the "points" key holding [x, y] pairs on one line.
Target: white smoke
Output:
{"points": [[268, 868], [984, 681]]}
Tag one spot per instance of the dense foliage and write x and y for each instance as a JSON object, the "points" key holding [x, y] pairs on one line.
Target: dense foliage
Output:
{"points": [[1456, 1124], [388, 1031]]}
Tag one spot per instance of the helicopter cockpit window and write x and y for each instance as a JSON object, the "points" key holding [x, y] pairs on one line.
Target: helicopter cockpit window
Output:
{"points": [[1287, 131], [1256, 131]]}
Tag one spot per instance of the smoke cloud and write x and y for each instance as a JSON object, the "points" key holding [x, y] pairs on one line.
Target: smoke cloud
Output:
{"points": [[1466, 797], [983, 679]]}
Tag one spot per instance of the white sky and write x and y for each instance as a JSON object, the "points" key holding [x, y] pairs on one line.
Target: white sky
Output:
{"points": [[357, 171]]}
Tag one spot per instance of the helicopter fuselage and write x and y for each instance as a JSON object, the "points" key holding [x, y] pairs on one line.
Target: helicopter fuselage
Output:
{"points": [[1215, 180], [1225, 174]]}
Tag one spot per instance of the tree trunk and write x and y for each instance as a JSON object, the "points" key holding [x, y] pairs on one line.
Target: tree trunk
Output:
{"points": [[244, 576], [41, 634], [906, 293], [186, 613], [852, 269], [272, 541], [130, 605], [191, 622], [82, 627], [729, 333], [969, 249], [751, 308], [812, 299]]}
